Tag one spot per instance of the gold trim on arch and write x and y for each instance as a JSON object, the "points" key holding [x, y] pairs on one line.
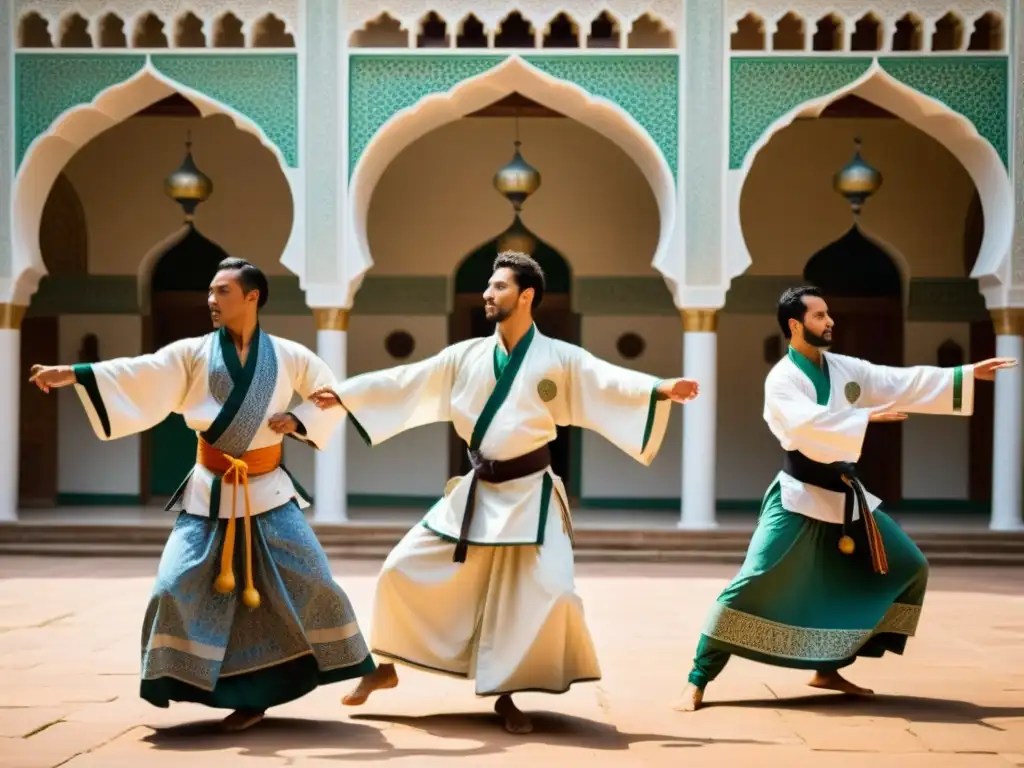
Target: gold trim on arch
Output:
{"points": [[331, 319], [1008, 321], [699, 320], [11, 316]]}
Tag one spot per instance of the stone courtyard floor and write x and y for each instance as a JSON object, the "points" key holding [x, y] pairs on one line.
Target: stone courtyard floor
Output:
{"points": [[69, 649]]}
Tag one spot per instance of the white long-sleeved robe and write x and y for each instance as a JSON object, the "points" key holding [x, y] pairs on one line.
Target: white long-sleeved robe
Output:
{"points": [[826, 417], [508, 617], [195, 377], [455, 385]]}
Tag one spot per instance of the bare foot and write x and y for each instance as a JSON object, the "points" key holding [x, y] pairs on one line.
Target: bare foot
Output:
{"points": [[241, 719], [833, 681], [515, 720], [691, 699], [384, 676]]}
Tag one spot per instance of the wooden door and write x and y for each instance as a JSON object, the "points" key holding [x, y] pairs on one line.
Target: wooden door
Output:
{"points": [[872, 329], [37, 423]]}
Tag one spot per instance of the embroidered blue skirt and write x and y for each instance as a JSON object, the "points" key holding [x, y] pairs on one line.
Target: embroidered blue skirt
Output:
{"points": [[202, 646]]}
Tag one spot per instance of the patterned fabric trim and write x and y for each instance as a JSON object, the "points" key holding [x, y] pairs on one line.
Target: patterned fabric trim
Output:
{"points": [[771, 638]]}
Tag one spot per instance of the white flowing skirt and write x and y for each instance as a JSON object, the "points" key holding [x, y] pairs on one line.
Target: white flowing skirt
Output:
{"points": [[508, 617]]}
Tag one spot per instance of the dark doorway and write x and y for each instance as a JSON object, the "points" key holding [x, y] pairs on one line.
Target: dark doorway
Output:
{"points": [[983, 345], [178, 310], [864, 292], [554, 318]]}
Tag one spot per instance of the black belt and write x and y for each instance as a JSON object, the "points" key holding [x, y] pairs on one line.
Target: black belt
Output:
{"points": [[494, 471], [841, 477]]}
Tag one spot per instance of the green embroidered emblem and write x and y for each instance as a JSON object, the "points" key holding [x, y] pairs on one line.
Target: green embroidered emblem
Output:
{"points": [[852, 392], [547, 389]]}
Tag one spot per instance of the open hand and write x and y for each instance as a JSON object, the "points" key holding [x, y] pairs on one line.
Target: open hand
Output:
{"points": [[887, 417], [283, 423], [325, 398], [986, 369], [51, 376], [679, 390]]}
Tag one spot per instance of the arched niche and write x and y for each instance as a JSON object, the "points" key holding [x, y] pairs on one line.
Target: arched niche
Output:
{"points": [[179, 286]]}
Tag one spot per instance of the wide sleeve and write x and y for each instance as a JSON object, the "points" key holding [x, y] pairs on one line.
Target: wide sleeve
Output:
{"points": [[920, 389], [382, 404], [316, 426], [803, 425], [621, 405], [129, 395]]}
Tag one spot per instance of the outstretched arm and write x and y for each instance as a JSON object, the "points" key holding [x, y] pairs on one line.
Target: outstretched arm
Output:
{"points": [[928, 389], [627, 408], [385, 403], [126, 395]]}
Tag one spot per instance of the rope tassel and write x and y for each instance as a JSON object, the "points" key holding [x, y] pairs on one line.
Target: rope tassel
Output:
{"points": [[876, 547], [237, 474]]}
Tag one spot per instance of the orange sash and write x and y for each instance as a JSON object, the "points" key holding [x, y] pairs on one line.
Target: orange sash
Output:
{"points": [[236, 472]]}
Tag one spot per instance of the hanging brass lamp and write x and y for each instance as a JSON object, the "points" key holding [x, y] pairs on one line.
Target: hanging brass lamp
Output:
{"points": [[518, 179], [187, 185], [857, 181]]}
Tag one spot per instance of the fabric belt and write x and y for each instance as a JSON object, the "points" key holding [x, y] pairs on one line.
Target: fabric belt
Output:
{"points": [[493, 471], [841, 477], [236, 472]]}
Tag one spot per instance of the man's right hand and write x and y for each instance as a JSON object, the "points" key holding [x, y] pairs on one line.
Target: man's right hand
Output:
{"points": [[48, 377], [886, 417], [325, 398]]}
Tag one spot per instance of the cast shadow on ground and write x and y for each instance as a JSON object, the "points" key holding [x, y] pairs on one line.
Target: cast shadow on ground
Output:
{"points": [[913, 708], [357, 742]]}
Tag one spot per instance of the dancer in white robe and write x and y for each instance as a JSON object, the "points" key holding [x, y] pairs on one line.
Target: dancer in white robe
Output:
{"points": [[828, 577], [484, 588], [291, 628]]}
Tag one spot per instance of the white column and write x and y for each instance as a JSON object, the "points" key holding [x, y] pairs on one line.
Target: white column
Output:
{"points": [[700, 362], [10, 408], [330, 490], [1008, 430]]}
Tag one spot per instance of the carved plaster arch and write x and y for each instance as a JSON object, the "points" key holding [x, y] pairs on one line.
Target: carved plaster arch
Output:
{"points": [[512, 75], [50, 152], [951, 129]]}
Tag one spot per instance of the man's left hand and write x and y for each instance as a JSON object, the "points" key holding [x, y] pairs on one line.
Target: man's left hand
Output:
{"points": [[986, 369], [283, 423], [679, 390]]}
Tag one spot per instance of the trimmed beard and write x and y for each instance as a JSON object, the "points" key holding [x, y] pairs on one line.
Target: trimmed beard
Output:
{"points": [[816, 341], [500, 315]]}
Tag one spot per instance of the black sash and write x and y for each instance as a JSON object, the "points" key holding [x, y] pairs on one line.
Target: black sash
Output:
{"points": [[841, 477], [491, 471]]}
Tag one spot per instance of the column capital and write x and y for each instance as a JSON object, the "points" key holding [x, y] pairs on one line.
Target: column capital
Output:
{"points": [[699, 320], [11, 316], [331, 318], [1008, 321]]}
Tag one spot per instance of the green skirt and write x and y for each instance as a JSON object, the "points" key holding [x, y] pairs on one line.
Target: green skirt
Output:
{"points": [[799, 602]]}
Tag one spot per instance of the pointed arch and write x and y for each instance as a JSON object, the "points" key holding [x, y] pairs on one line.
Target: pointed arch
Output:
{"points": [[50, 152], [951, 129], [512, 75]]}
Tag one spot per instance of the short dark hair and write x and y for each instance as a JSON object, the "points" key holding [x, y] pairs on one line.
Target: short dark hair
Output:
{"points": [[527, 271], [792, 307], [250, 278]]}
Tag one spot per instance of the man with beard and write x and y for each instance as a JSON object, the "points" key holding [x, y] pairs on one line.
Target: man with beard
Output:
{"points": [[828, 576], [483, 588]]}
